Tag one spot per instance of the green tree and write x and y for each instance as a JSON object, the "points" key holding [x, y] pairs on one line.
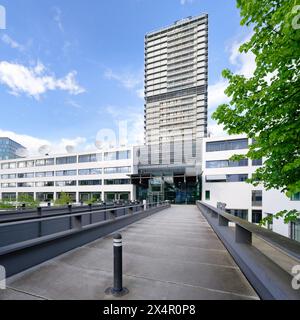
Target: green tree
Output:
{"points": [[28, 200], [265, 107], [92, 200], [63, 199]]}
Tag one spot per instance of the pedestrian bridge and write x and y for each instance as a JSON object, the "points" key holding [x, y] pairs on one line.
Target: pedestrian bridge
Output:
{"points": [[172, 254]]}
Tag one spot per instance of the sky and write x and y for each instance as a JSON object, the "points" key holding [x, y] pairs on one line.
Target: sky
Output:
{"points": [[72, 71]]}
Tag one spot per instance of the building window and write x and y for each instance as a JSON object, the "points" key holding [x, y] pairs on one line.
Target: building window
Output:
{"points": [[66, 183], [295, 230], [8, 185], [236, 177], [227, 145], [44, 162], [257, 162], [89, 182], [45, 196], [116, 181], [117, 155], [256, 198], [114, 170], [44, 184], [124, 155], [110, 156], [86, 172], [8, 165], [226, 163], [256, 216], [9, 196], [27, 175], [8, 176], [207, 195], [226, 178], [66, 160], [25, 184], [240, 213], [66, 173], [90, 157], [44, 174], [295, 196], [22, 164], [86, 196], [25, 164]]}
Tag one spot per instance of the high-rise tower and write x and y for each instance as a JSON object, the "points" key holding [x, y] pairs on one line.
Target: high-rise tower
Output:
{"points": [[176, 65]]}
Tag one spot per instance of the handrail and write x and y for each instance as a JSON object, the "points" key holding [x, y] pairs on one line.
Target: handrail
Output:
{"points": [[75, 214], [23, 211], [289, 246], [52, 212], [265, 257]]}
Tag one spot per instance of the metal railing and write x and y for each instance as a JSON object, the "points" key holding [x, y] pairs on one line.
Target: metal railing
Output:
{"points": [[265, 257], [26, 243], [73, 219], [25, 213]]}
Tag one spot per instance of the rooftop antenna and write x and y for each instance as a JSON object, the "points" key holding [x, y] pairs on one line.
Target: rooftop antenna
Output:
{"points": [[44, 150], [22, 152], [70, 149]]}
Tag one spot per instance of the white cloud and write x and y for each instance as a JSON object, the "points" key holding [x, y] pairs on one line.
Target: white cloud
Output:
{"points": [[129, 80], [33, 143], [244, 63], [35, 81], [216, 130], [133, 119], [216, 95], [12, 43], [140, 93]]}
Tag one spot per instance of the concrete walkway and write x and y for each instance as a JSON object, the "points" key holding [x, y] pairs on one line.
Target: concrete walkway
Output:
{"points": [[173, 254]]}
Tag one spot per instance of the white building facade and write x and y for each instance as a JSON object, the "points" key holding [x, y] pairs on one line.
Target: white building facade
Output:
{"points": [[102, 175], [223, 181]]}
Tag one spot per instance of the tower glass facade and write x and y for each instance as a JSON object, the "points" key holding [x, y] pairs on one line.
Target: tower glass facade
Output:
{"points": [[8, 148]]}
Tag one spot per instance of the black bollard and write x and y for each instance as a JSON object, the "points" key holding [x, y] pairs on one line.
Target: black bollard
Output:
{"points": [[39, 211], [117, 289]]}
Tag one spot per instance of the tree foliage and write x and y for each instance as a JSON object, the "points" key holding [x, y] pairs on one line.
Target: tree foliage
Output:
{"points": [[266, 105], [63, 199], [28, 200]]}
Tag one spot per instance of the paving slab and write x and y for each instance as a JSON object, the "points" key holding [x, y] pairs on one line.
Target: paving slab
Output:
{"points": [[173, 254]]}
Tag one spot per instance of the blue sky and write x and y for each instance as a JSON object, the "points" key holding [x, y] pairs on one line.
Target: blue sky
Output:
{"points": [[71, 68]]}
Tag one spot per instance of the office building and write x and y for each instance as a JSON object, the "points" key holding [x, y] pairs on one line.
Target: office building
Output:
{"points": [[9, 149], [102, 175], [176, 64], [176, 59], [224, 184]]}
